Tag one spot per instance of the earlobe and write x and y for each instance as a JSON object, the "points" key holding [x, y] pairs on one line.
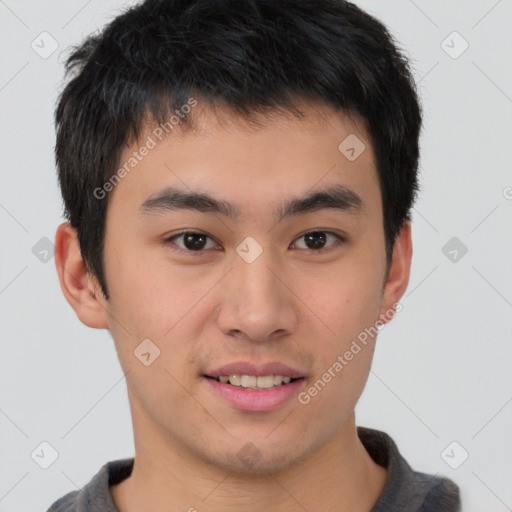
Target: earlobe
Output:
{"points": [[78, 286], [398, 275]]}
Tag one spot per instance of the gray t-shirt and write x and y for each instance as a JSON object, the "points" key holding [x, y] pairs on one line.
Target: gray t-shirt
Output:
{"points": [[405, 490]]}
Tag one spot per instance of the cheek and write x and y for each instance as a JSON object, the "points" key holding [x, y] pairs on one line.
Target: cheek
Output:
{"points": [[151, 294], [344, 301], [347, 308], [330, 399], [345, 352]]}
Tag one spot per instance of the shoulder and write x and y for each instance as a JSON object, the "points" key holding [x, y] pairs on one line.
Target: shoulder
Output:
{"points": [[407, 490], [95, 496], [442, 493], [67, 503]]}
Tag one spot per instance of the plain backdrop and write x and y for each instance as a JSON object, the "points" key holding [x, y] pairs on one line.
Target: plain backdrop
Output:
{"points": [[441, 380]]}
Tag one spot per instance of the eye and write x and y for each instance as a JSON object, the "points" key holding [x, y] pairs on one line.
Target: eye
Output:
{"points": [[316, 240], [197, 242], [192, 241]]}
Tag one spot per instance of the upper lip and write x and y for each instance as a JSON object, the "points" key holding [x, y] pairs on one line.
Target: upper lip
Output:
{"points": [[258, 370]]}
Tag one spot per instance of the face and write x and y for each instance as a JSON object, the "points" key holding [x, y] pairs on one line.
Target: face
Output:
{"points": [[244, 285]]}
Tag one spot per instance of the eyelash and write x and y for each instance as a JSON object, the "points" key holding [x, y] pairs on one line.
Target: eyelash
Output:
{"points": [[339, 240]]}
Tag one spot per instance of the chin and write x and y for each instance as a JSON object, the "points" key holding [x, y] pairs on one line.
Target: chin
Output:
{"points": [[244, 462], [259, 457]]}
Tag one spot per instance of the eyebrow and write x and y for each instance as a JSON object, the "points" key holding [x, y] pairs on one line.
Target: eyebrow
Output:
{"points": [[338, 197]]}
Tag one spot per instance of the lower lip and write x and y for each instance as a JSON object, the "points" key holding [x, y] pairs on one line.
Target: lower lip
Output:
{"points": [[256, 400]]}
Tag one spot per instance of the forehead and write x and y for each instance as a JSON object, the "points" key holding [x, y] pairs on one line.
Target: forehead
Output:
{"points": [[264, 158], [206, 124]]}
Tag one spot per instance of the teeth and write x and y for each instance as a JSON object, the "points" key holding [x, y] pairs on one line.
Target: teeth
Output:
{"points": [[235, 380], [265, 382], [253, 382], [248, 381]]}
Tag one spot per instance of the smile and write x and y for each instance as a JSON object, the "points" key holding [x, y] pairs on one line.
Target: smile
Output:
{"points": [[253, 381]]}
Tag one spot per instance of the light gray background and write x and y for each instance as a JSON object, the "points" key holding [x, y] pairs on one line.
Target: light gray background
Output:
{"points": [[442, 367]]}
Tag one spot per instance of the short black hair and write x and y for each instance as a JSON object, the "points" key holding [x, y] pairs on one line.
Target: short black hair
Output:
{"points": [[250, 56]]}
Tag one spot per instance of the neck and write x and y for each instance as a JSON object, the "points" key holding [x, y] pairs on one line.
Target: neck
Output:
{"points": [[166, 476]]}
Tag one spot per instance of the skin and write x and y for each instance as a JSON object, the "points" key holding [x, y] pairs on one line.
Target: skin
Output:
{"points": [[203, 310]]}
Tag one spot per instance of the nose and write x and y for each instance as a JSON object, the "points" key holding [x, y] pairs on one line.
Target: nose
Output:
{"points": [[258, 302]]}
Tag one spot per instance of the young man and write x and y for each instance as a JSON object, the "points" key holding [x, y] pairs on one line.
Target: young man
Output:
{"points": [[238, 177]]}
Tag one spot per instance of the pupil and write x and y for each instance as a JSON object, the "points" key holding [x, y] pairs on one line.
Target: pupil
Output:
{"points": [[191, 241], [317, 238]]}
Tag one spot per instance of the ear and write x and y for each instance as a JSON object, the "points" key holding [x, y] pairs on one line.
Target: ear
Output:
{"points": [[398, 274], [80, 288]]}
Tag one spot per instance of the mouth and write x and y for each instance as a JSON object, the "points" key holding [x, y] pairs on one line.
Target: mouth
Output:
{"points": [[254, 388], [260, 382]]}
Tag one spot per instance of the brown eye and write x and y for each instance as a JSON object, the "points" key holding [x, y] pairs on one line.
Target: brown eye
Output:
{"points": [[316, 240], [192, 242]]}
